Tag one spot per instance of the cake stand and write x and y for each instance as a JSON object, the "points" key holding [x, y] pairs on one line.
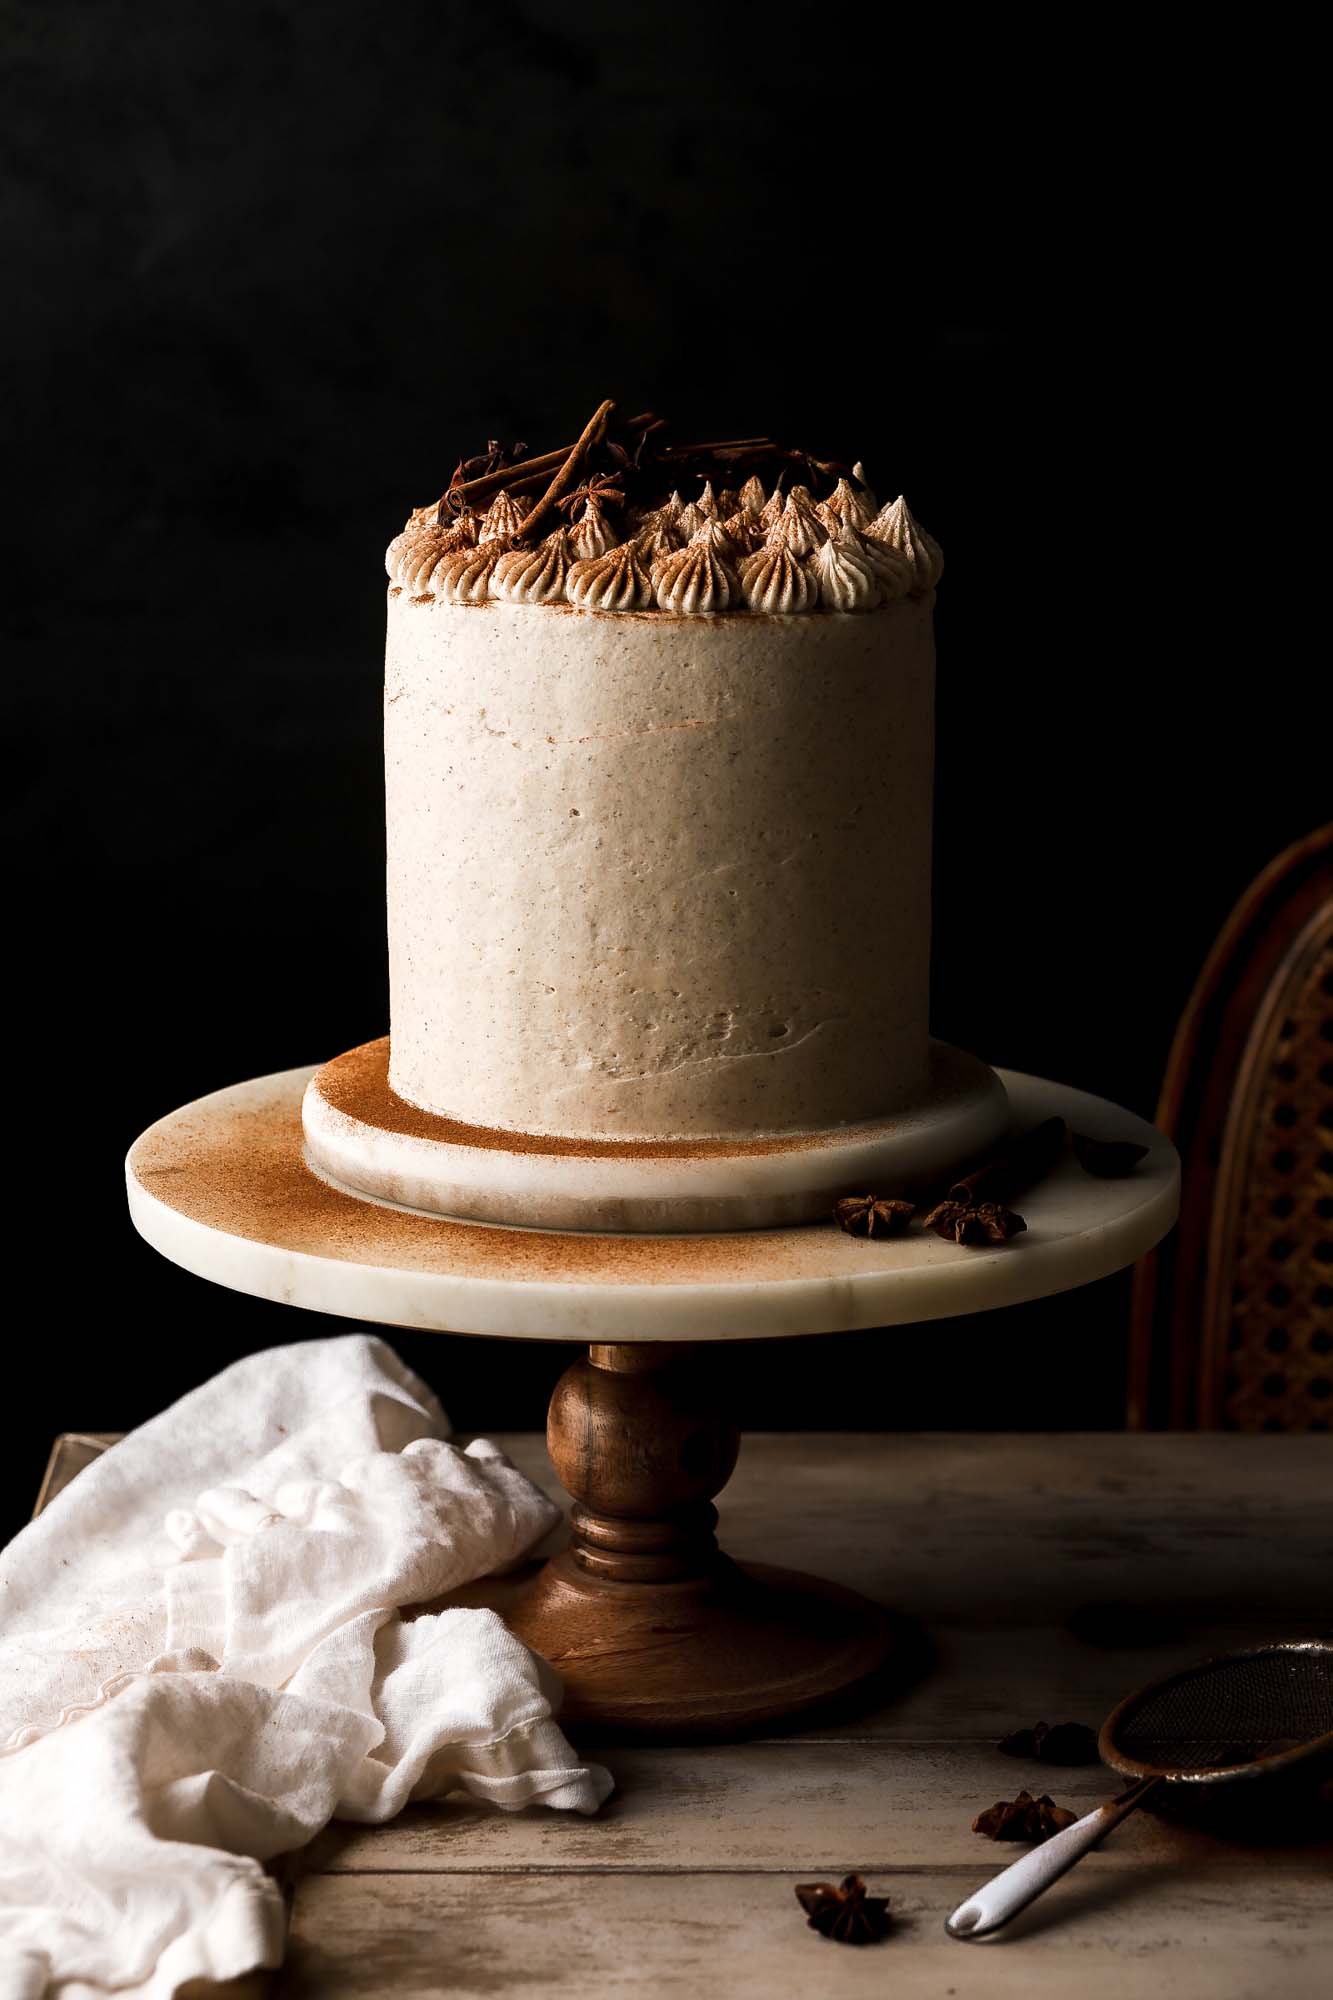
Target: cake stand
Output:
{"points": [[651, 1628]]}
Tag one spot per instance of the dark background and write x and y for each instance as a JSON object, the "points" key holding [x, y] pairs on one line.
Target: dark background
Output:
{"points": [[275, 267]]}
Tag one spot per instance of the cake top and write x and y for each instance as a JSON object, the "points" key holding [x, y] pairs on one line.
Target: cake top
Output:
{"points": [[620, 521]]}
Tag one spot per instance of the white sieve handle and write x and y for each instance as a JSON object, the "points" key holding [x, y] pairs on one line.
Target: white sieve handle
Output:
{"points": [[1012, 1890]]}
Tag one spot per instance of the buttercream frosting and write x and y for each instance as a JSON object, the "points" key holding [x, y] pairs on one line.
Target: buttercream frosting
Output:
{"points": [[898, 528], [465, 578], [846, 574], [752, 496], [690, 519], [502, 518], [534, 576], [857, 506], [618, 867], [743, 531], [892, 568], [798, 525], [415, 552], [699, 577], [411, 557], [771, 511], [776, 581], [592, 534], [620, 579], [662, 524], [655, 545]]}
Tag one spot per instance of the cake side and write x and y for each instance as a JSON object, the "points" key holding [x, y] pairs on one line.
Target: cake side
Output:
{"points": [[658, 876]]}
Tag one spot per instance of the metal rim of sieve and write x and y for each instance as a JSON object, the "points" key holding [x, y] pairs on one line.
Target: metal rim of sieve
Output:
{"points": [[1256, 1767]]}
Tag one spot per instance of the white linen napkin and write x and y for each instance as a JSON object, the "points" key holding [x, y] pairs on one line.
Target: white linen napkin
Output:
{"points": [[202, 1661]]}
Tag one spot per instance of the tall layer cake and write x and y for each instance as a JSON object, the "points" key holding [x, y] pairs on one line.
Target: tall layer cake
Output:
{"points": [[658, 765]]}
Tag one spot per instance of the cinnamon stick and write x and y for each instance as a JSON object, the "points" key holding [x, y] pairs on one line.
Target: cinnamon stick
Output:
{"points": [[592, 433], [489, 483], [527, 474], [1014, 1166]]}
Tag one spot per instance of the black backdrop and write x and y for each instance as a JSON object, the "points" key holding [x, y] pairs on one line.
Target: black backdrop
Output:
{"points": [[278, 265]]}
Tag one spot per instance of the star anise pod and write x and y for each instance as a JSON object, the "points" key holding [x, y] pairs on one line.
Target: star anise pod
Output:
{"points": [[845, 1912], [600, 486], [1058, 1743], [975, 1225], [872, 1215], [1023, 1818], [1108, 1159]]}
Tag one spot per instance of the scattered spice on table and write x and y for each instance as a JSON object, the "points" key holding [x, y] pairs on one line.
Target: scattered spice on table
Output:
{"points": [[844, 1912], [1108, 1159], [873, 1215], [1053, 1743], [1023, 1818], [974, 1225]]}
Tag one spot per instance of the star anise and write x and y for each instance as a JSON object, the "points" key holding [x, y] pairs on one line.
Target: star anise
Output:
{"points": [[1023, 1818], [845, 1912], [599, 486], [1108, 1159], [1058, 1743], [872, 1215], [975, 1224]]}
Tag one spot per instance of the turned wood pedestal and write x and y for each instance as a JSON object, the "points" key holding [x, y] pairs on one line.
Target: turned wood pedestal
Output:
{"points": [[650, 1626]]}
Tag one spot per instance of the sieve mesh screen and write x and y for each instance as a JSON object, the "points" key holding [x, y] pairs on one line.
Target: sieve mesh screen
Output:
{"points": [[1234, 1711]]}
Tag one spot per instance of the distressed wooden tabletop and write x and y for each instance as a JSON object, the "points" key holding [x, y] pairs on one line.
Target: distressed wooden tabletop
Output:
{"points": [[1054, 1574]]}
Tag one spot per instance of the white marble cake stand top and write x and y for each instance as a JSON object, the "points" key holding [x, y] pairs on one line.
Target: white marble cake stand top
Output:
{"points": [[221, 1187]]}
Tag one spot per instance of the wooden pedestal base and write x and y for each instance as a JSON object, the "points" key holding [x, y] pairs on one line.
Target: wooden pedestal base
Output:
{"points": [[653, 1630]]}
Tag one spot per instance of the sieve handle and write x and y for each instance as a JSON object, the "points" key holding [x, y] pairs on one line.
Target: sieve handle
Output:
{"points": [[1012, 1890]]}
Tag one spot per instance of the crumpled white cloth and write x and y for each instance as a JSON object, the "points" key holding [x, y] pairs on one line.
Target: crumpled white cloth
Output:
{"points": [[202, 1661]]}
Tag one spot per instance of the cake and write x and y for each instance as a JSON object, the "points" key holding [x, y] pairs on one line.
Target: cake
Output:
{"points": [[658, 774]]}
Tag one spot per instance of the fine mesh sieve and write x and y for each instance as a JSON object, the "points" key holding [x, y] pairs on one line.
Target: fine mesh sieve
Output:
{"points": [[1245, 1716]]}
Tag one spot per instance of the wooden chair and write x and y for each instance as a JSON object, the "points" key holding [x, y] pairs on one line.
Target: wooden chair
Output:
{"points": [[1233, 1315]]}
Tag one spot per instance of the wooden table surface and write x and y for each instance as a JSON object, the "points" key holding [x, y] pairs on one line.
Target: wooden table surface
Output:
{"points": [[1055, 1573]]}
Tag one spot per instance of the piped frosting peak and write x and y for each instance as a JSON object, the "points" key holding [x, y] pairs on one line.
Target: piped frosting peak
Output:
{"points": [[798, 525], [774, 580], [850, 574], [698, 578], [856, 505], [618, 580], [752, 497], [897, 528], [592, 534], [465, 578], [534, 576], [504, 517]]}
